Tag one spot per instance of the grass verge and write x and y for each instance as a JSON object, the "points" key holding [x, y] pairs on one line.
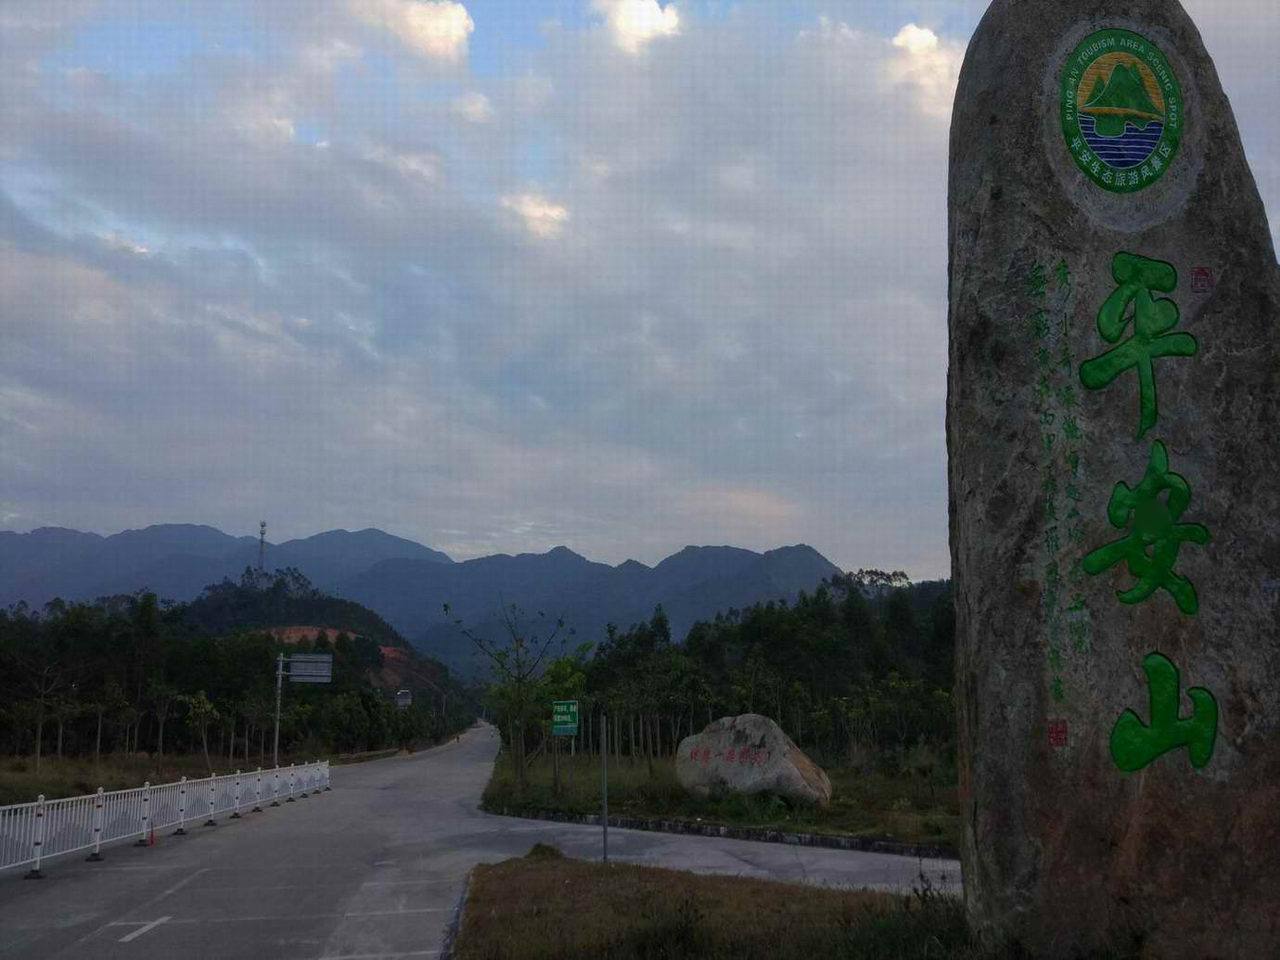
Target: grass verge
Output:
{"points": [[903, 808], [74, 776], [544, 906]]}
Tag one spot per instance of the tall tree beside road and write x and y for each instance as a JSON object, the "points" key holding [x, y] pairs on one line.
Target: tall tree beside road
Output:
{"points": [[517, 659], [163, 696], [200, 714], [43, 670]]}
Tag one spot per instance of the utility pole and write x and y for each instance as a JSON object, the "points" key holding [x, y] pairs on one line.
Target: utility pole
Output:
{"points": [[604, 782], [262, 544], [275, 749], [444, 701]]}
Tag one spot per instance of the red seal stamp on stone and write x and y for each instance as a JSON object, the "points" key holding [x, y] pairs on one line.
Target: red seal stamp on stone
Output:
{"points": [[1202, 280], [1057, 733]]}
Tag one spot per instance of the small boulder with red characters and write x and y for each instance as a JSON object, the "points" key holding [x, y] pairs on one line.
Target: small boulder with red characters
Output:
{"points": [[749, 754]]}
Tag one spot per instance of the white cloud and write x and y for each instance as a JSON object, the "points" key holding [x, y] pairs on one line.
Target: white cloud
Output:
{"points": [[262, 115], [420, 164], [542, 217], [433, 28], [633, 23], [916, 40], [474, 106], [833, 31], [261, 124], [117, 241], [595, 167], [740, 176], [740, 337], [327, 55], [930, 64]]}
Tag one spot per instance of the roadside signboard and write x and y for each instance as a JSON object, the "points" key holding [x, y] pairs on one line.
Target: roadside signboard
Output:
{"points": [[564, 718], [299, 668], [310, 667]]}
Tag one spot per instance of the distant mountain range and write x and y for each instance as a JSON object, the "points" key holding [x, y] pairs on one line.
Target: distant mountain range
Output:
{"points": [[177, 561], [407, 583]]}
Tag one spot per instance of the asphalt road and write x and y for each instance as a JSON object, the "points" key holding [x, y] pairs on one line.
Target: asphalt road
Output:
{"points": [[370, 870]]}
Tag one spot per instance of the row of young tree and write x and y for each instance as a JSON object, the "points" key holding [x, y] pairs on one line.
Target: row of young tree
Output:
{"points": [[133, 674], [858, 673]]}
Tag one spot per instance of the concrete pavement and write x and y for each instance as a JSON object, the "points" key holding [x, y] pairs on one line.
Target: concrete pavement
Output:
{"points": [[371, 870]]}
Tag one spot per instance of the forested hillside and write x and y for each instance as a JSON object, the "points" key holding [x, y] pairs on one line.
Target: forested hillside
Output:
{"points": [[858, 672], [132, 673], [259, 601]]}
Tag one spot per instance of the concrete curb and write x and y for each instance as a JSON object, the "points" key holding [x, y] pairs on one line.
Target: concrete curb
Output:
{"points": [[862, 844], [455, 922]]}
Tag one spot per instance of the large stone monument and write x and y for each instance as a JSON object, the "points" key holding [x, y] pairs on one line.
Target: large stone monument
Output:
{"points": [[1113, 424]]}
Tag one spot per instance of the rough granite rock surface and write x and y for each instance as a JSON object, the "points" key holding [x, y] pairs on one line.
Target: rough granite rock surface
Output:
{"points": [[749, 754], [1063, 850]]}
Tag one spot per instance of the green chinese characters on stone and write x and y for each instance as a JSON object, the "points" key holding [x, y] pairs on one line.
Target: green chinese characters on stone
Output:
{"points": [[1135, 744], [1155, 536], [1136, 277]]}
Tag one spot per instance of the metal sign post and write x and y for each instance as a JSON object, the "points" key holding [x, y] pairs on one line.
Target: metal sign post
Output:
{"points": [[564, 723], [303, 668], [275, 748], [604, 781]]}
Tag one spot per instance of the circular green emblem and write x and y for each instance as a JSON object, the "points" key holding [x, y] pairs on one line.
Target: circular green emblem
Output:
{"points": [[1122, 110]]}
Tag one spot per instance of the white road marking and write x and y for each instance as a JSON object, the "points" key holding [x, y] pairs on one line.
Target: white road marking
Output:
{"points": [[334, 886], [178, 886], [378, 956], [127, 923], [143, 929], [314, 916], [392, 913]]}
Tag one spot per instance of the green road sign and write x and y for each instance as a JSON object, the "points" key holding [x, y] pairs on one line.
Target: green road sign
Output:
{"points": [[564, 718]]}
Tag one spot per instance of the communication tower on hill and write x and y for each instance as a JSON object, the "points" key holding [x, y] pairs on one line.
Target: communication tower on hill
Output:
{"points": [[262, 544]]}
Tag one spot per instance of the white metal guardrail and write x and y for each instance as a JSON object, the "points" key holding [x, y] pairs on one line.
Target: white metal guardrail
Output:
{"points": [[31, 833]]}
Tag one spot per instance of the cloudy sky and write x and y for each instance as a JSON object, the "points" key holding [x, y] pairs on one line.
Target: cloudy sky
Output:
{"points": [[495, 275]]}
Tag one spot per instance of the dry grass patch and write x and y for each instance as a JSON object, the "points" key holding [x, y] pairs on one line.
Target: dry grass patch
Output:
{"points": [[906, 808], [74, 776], [546, 906]]}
